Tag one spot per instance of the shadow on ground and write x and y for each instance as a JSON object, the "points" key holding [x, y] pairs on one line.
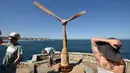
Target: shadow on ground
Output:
{"points": [[53, 71], [74, 64]]}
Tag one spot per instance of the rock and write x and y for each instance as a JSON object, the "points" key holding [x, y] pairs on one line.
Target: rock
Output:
{"points": [[88, 63]]}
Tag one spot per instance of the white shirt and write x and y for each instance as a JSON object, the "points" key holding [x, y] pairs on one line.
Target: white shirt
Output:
{"points": [[102, 70], [50, 51]]}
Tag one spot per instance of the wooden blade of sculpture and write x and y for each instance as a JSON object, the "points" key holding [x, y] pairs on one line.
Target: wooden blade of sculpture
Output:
{"points": [[77, 15], [46, 10]]}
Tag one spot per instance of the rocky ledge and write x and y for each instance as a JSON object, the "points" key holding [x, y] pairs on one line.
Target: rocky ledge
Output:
{"points": [[39, 63]]}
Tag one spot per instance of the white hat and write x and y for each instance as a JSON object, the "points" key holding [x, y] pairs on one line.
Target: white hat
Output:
{"points": [[15, 34]]}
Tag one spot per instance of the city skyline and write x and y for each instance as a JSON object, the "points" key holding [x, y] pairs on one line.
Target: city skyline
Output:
{"points": [[103, 18]]}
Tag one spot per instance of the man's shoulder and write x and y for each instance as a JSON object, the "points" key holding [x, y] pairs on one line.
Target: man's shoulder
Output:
{"points": [[18, 46], [6, 44]]}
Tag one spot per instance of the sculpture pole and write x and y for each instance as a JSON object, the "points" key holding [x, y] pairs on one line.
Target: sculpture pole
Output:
{"points": [[64, 65], [64, 53]]}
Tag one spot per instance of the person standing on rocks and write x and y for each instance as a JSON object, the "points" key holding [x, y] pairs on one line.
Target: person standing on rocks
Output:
{"points": [[50, 53], [107, 54], [13, 54]]}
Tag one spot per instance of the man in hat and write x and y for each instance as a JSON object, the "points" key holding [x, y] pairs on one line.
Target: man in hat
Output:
{"points": [[13, 53], [108, 58]]}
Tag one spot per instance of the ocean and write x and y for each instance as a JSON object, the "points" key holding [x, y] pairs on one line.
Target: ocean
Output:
{"points": [[35, 47]]}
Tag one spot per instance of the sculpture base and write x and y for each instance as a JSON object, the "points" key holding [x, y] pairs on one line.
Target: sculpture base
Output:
{"points": [[65, 68]]}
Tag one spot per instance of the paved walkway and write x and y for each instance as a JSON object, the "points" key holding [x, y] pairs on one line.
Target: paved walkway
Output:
{"points": [[78, 67]]}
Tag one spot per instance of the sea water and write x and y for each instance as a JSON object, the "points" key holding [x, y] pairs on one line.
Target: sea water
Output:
{"points": [[35, 47]]}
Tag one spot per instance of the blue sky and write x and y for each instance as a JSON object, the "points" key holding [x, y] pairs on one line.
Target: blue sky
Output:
{"points": [[104, 18]]}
